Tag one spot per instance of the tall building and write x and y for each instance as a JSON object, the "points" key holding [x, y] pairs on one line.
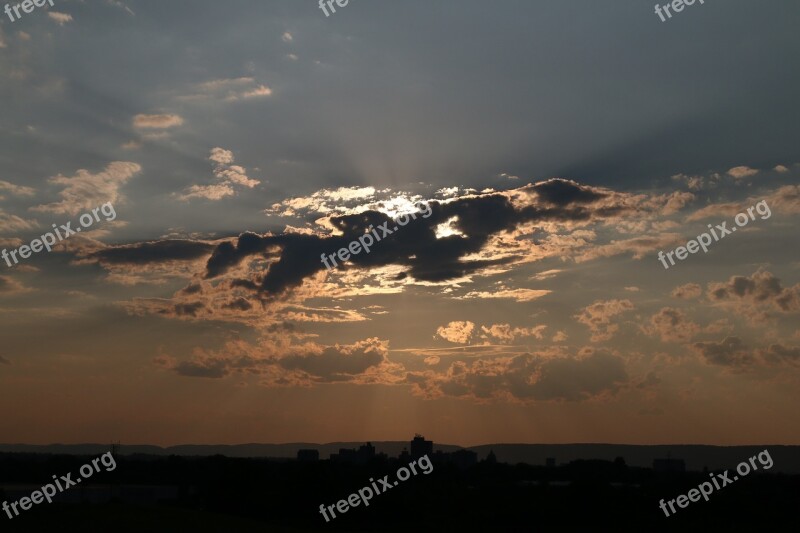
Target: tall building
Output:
{"points": [[421, 447]]}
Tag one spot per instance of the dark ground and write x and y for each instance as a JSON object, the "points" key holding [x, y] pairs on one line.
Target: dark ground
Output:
{"points": [[240, 495]]}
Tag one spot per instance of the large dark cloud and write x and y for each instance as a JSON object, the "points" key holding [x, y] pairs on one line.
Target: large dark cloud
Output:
{"points": [[415, 246], [153, 252]]}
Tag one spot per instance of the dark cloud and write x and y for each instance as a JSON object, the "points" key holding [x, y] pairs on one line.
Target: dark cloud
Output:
{"points": [[730, 352], [762, 288], [563, 192], [194, 288], [239, 304], [205, 369], [415, 245], [153, 252], [671, 325], [778, 353], [190, 309]]}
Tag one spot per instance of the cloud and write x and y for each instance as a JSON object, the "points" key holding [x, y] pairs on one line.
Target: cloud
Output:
{"points": [[287, 37], [715, 211], [257, 92], [761, 291], [85, 190], [228, 89], [785, 200], [490, 230], [164, 121], [9, 242], [547, 274], [456, 332], [598, 317], [151, 262], [11, 222], [778, 353], [208, 192], [155, 251], [677, 201], [689, 291], [781, 169], [544, 376], [742, 172], [520, 295], [228, 174], [220, 156], [730, 352], [338, 363], [672, 326], [4, 361], [11, 286], [278, 362], [560, 192], [639, 247], [504, 332], [60, 18], [16, 190], [323, 201], [119, 4]]}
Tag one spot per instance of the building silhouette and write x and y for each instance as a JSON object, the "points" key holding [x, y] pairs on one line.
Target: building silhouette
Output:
{"points": [[363, 455], [421, 447], [491, 459], [462, 459]]}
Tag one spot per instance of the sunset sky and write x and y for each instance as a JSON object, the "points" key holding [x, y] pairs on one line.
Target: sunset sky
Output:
{"points": [[559, 145]]}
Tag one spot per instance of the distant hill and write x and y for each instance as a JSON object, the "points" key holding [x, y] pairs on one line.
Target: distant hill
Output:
{"points": [[786, 458]]}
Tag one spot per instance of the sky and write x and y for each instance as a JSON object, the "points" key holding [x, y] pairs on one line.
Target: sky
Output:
{"points": [[546, 157]]}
